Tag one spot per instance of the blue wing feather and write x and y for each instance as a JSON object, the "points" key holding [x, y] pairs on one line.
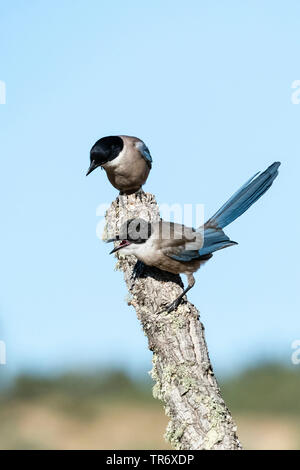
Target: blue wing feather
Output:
{"points": [[185, 256], [145, 153]]}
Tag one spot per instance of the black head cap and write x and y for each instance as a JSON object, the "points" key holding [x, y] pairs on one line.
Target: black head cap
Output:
{"points": [[105, 150], [135, 231]]}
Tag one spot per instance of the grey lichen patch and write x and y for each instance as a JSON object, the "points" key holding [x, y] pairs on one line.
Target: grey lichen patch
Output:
{"points": [[186, 380], [172, 375], [143, 312], [177, 318], [216, 409], [156, 389], [156, 392], [174, 434], [201, 394], [160, 326], [105, 234], [218, 415], [161, 389], [212, 438], [119, 265]]}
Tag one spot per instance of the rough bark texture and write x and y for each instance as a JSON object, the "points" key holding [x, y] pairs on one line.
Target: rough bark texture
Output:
{"points": [[199, 418]]}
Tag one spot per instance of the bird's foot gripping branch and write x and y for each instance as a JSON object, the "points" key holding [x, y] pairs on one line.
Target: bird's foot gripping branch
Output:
{"points": [[183, 375]]}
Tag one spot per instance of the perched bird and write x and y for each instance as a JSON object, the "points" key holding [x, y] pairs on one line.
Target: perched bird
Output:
{"points": [[126, 160], [179, 249]]}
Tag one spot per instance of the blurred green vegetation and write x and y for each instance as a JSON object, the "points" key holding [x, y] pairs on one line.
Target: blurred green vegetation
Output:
{"points": [[110, 409], [78, 393], [108, 385], [268, 388]]}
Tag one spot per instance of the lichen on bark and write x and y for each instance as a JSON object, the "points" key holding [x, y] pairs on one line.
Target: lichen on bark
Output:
{"points": [[182, 372]]}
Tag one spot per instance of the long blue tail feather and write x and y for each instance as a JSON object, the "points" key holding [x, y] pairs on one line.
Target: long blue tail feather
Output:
{"points": [[244, 197], [214, 237]]}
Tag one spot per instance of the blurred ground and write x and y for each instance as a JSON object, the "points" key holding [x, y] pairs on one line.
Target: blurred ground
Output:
{"points": [[111, 411]]}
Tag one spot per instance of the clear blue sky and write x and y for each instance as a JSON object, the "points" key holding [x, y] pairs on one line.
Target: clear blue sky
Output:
{"points": [[207, 86]]}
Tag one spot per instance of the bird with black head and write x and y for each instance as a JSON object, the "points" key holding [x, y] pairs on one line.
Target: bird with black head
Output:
{"points": [[126, 160]]}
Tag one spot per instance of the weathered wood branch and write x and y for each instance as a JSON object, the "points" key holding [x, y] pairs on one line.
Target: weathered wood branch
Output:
{"points": [[185, 382]]}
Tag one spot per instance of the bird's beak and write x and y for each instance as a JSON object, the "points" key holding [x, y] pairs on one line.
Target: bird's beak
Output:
{"points": [[92, 167], [122, 245]]}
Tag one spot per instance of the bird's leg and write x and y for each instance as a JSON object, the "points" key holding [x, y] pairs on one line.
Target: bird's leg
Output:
{"points": [[122, 199], [139, 194], [138, 270], [177, 301]]}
